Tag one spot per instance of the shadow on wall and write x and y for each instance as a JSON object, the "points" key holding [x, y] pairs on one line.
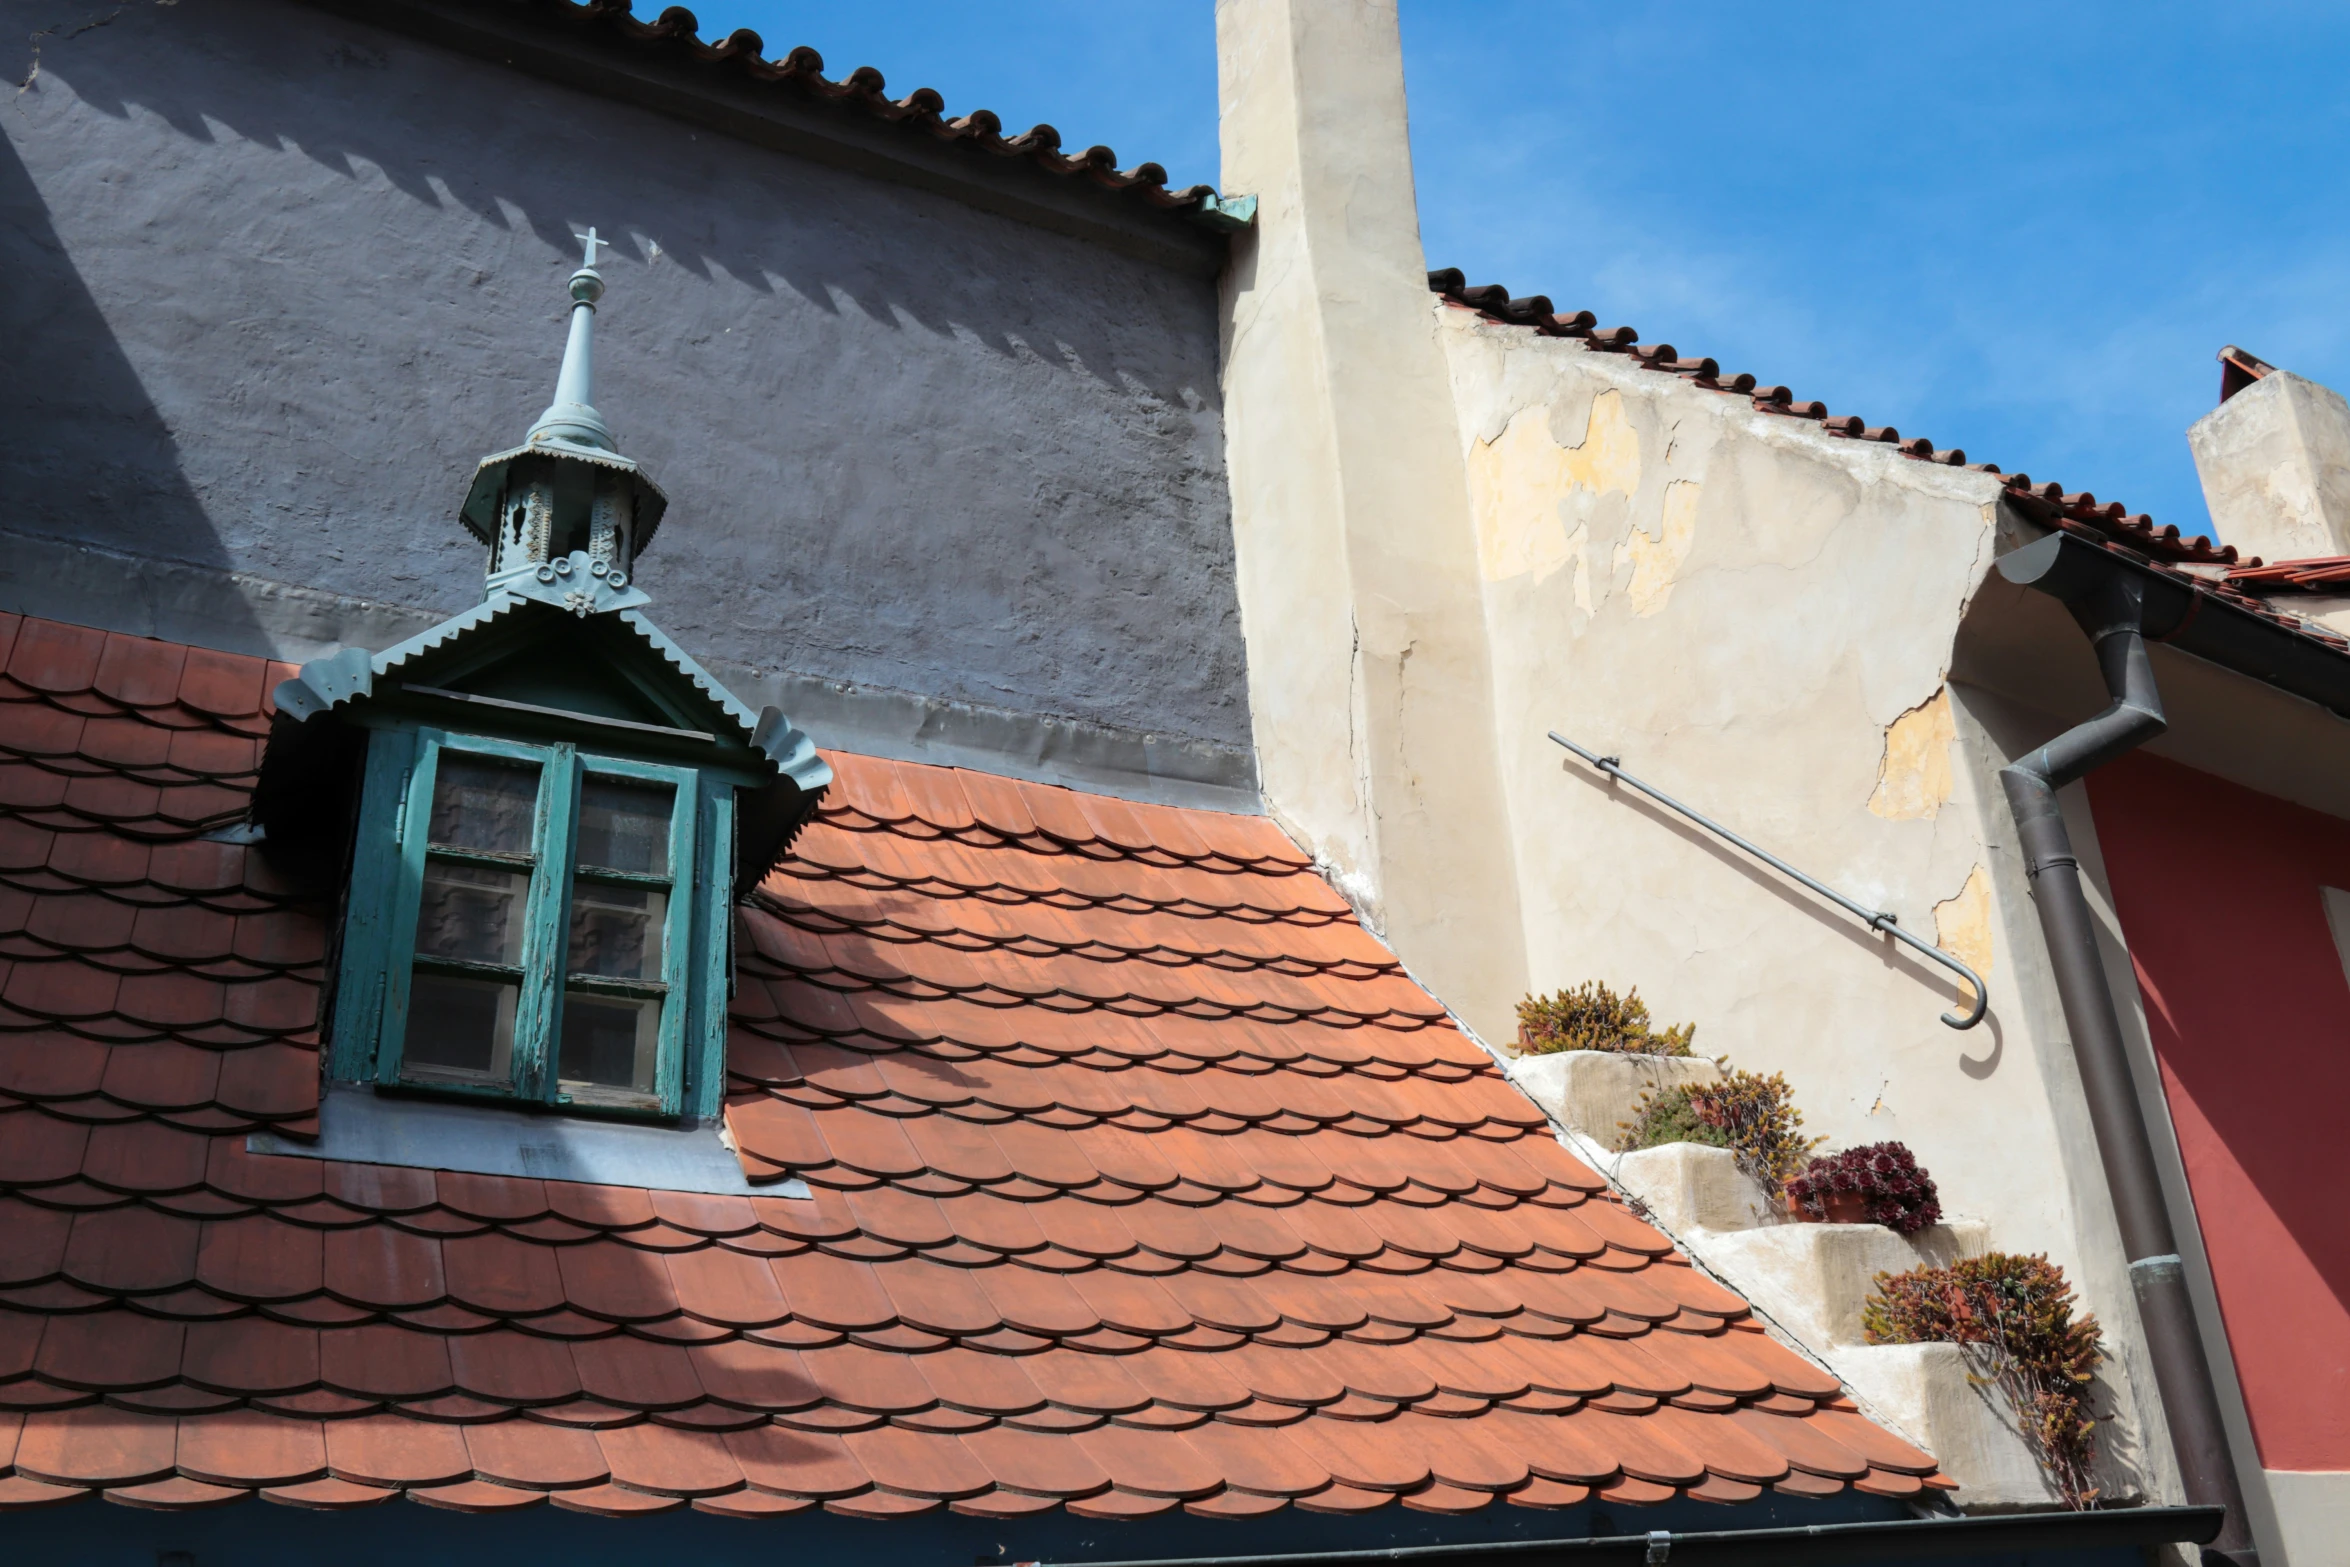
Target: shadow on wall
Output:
{"points": [[84, 453], [716, 219], [909, 445]]}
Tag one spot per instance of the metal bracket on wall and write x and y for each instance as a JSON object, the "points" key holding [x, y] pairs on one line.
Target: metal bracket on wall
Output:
{"points": [[1877, 919]]}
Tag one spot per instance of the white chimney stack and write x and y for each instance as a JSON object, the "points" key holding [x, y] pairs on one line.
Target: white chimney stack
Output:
{"points": [[2274, 458]]}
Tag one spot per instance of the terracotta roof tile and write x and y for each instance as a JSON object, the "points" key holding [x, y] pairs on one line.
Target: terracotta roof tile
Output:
{"points": [[1116, 1202]]}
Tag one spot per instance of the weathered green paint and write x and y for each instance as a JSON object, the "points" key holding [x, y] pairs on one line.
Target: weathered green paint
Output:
{"points": [[379, 957], [713, 936], [368, 931]]}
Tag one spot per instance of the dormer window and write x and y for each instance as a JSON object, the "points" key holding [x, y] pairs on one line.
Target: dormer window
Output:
{"points": [[553, 921], [556, 807]]}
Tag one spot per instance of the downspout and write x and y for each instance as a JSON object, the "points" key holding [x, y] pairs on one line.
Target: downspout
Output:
{"points": [[2110, 605]]}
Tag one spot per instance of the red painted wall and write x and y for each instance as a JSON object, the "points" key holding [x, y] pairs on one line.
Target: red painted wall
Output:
{"points": [[2218, 891]]}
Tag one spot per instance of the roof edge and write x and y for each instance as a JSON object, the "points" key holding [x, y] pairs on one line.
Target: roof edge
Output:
{"points": [[1801, 1546], [2198, 616], [2048, 503], [790, 106]]}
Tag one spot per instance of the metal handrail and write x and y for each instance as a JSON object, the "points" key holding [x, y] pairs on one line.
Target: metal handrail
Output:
{"points": [[1878, 919]]}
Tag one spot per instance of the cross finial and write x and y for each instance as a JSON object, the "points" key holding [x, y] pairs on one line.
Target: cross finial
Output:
{"points": [[590, 240]]}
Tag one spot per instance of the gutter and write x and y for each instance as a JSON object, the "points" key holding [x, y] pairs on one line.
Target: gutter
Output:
{"points": [[1901, 1540], [2121, 604]]}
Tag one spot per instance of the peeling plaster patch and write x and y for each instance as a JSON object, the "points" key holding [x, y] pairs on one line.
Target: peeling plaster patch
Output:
{"points": [[1519, 479], [1609, 456], [1655, 561], [1579, 547], [1914, 780], [1962, 928]]}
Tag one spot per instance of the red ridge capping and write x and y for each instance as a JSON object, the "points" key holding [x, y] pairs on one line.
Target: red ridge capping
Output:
{"points": [[1142, 1177], [2048, 503]]}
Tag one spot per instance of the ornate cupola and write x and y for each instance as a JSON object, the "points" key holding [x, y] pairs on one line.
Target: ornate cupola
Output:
{"points": [[564, 507], [537, 814]]}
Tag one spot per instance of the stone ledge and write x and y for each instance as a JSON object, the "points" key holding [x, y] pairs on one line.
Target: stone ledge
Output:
{"points": [[1808, 1282], [1814, 1278], [1926, 1392], [1689, 1186], [1596, 1091]]}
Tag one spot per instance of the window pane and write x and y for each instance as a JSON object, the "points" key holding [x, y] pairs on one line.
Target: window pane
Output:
{"points": [[481, 803], [608, 1042], [471, 913], [616, 931], [624, 826], [459, 1030]]}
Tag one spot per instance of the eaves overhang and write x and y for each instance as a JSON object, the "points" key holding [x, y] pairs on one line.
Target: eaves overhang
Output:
{"points": [[309, 757], [788, 105], [2194, 616]]}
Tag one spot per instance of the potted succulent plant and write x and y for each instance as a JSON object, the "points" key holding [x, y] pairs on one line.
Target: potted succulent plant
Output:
{"points": [[1593, 1017], [1878, 1184]]}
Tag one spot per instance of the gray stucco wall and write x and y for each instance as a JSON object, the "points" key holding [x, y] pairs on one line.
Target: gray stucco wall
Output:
{"points": [[274, 281]]}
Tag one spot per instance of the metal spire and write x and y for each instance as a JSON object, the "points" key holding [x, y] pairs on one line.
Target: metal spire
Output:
{"points": [[572, 418]]}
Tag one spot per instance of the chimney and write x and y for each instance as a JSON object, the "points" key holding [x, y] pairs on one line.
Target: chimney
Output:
{"points": [[2274, 458], [1370, 689]]}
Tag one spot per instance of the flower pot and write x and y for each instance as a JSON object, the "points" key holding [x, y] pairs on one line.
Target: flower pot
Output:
{"points": [[1841, 1208]]}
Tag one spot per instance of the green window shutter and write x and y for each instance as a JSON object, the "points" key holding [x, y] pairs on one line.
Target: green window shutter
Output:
{"points": [[499, 935], [372, 944], [705, 1080], [466, 990]]}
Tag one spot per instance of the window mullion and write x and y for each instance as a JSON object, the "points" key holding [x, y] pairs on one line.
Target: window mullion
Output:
{"points": [[539, 1013]]}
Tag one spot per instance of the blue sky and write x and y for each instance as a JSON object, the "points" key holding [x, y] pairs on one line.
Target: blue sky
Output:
{"points": [[2019, 229]]}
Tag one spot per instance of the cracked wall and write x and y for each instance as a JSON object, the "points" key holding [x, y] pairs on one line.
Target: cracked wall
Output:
{"points": [[1760, 619]]}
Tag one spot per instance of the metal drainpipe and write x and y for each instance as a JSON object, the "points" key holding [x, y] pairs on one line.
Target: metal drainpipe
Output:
{"points": [[2112, 612]]}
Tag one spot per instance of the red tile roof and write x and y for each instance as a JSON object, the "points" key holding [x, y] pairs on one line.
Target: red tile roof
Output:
{"points": [[2109, 524], [2320, 574], [1143, 1178], [2050, 504]]}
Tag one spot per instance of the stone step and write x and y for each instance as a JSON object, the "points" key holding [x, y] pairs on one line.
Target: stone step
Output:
{"points": [[1808, 1282]]}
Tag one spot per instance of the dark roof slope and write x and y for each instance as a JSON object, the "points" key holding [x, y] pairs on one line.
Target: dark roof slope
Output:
{"points": [[1143, 1179]]}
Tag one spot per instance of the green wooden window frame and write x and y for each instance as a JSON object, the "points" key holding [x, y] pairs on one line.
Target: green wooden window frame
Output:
{"points": [[556, 896]]}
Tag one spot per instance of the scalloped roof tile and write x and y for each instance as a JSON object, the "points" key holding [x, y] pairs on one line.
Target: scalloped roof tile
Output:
{"points": [[1142, 1178]]}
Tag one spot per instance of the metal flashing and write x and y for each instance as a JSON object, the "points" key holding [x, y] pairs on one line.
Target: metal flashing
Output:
{"points": [[237, 612], [1125, 764], [1231, 214], [360, 1126]]}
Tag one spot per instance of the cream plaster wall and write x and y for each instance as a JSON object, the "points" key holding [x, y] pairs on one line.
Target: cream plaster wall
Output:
{"points": [[1356, 558], [1453, 536], [1761, 618]]}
